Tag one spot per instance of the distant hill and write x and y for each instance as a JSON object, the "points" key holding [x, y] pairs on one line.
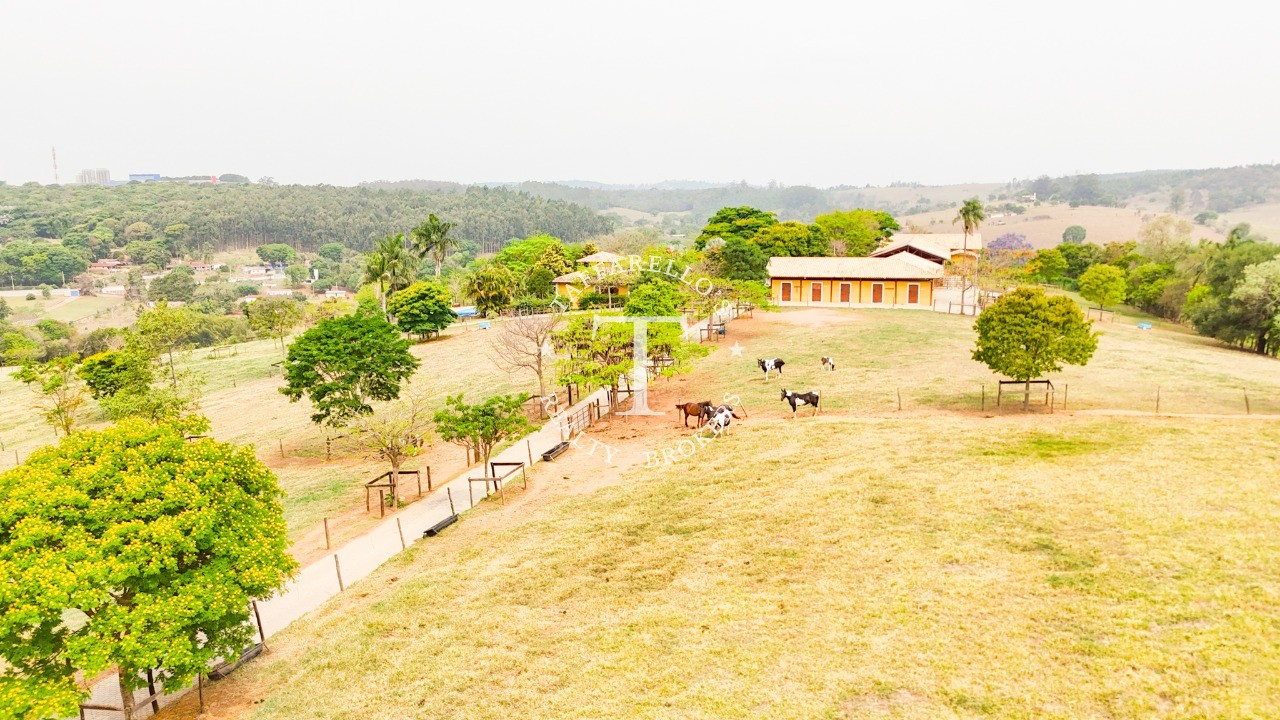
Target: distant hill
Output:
{"points": [[218, 217], [684, 205]]}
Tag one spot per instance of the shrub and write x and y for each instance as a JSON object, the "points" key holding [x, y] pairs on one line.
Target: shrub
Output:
{"points": [[592, 299]]}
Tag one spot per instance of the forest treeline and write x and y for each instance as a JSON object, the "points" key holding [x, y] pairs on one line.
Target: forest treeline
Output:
{"points": [[210, 218], [1216, 189]]}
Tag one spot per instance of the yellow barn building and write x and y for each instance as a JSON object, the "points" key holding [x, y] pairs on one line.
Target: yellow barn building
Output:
{"points": [[896, 281]]}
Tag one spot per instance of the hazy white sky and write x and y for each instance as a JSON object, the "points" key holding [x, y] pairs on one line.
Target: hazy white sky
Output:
{"points": [[799, 92]]}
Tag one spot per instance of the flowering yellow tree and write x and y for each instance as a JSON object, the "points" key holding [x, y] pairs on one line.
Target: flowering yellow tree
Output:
{"points": [[135, 548]]}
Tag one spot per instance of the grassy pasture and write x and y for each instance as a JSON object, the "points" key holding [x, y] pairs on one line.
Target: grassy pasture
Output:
{"points": [[243, 402], [866, 563], [844, 567], [927, 356], [1043, 225]]}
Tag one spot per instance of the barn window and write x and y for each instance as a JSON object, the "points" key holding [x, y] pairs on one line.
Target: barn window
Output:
{"points": [[786, 292], [815, 290], [845, 293], [877, 292], [913, 294]]}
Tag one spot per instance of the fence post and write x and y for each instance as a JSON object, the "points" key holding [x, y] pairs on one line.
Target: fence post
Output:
{"points": [[281, 441], [400, 529], [1247, 409], [1065, 389], [899, 391], [151, 688], [262, 635], [337, 567], [984, 397], [382, 503], [449, 490], [528, 445], [1157, 399], [327, 544], [419, 476]]}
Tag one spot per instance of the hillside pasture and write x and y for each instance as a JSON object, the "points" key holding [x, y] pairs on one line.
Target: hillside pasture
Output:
{"points": [[1044, 225], [243, 403], [927, 357], [843, 567]]}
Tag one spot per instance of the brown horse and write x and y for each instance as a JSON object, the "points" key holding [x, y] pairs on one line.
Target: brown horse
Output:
{"points": [[693, 410]]}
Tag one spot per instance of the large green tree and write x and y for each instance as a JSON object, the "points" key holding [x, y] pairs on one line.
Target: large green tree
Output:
{"points": [[739, 259], [1103, 284], [730, 222], [593, 357], [133, 548], [857, 232], [1257, 301], [1026, 334], [275, 317], [482, 427], [792, 239], [277, 253], [423, 307], [177, 285], [343, 364]]}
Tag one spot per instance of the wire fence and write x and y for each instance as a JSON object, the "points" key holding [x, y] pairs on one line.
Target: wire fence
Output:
{"points": [[361, 556], [1151, 398]]}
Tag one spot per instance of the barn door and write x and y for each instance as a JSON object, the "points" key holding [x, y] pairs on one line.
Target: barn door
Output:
{"points": [[816, 292], [913, 294], [877, 292], [786, 292], [845, 292]]}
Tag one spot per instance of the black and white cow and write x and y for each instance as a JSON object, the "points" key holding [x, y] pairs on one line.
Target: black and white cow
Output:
{"points": [[720, 418], [770, 364], [797, 399], [828, 363]]}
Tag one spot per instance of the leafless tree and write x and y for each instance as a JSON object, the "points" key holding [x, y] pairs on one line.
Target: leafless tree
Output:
{"points": [[394, 432], [524, 343]]}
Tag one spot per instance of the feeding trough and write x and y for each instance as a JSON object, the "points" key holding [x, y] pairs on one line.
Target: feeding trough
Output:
{"points": [[556, 450], [434, 530]]}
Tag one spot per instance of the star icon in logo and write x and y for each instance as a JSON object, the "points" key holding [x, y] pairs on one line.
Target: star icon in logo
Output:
{"points": [[737, 349]]}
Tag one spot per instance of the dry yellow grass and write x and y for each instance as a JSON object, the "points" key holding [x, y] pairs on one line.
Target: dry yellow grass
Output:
{"points": [[914, 567], [927, 357], [866, 563], [1265, 219], [1043, 225], [245, 406]]}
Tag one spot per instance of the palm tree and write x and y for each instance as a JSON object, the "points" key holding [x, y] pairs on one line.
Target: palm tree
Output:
{"points": [[432, 238], [390, 265], [971, 214], [490, 287]]}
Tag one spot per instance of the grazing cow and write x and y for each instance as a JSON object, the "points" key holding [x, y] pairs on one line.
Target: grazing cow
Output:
{"points": [[797, 399], [698, 410], [719, 422], [770, 364], [708, 411], [828, 363]]}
